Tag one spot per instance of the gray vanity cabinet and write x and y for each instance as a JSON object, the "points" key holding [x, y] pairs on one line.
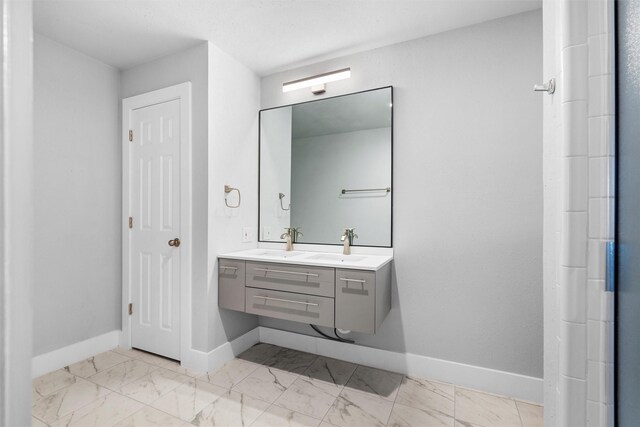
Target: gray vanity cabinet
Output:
{"points": [[363, 299], [231, 289], [357, 300]]}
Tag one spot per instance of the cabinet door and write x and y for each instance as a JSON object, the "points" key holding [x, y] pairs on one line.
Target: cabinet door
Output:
{"points": [[231, 284], [355, 300]]}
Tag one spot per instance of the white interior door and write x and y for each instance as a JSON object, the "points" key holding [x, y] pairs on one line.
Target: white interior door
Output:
{"points": [[154, 255]]}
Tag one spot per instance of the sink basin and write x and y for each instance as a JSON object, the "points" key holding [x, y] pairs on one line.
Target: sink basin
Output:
{"points": [[337, 257], [277, 253]]}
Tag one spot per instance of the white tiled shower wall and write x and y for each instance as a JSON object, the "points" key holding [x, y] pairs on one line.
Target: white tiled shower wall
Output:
{"points": [[585, 321]]}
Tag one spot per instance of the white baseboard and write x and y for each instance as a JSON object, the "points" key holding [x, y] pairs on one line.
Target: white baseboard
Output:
{"points": [[73, 353], [210, 361], [197, 360], [489, 380]]}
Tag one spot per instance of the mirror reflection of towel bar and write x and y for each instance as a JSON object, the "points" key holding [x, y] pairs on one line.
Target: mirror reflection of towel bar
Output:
{"points": [[386, 190]]}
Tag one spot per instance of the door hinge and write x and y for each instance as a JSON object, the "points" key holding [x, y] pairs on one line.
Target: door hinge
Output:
{"points": [[130, 222], [130, 309], [130, 135]]}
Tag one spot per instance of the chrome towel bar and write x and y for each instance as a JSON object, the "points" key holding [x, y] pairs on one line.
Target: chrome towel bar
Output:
{"points": [[386, 190]]}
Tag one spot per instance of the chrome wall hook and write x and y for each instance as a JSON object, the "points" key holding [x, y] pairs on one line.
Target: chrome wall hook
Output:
{"points": [[228, 189], [549, 87]]}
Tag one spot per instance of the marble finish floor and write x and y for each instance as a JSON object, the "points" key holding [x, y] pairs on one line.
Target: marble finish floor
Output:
{"points": [[266, 386]]}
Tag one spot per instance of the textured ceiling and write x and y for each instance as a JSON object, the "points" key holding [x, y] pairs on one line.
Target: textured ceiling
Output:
{"points": [[266, 35]]}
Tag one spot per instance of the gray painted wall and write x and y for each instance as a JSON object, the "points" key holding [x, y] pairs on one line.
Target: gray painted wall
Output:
{"points": [[16, 211], [468, 190], [234, 101], [77, 197]]}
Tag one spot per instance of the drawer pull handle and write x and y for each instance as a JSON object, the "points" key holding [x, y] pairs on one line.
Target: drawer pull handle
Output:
{"points": [[286, 300], [297, 273], [344, 279], [226, 267]]}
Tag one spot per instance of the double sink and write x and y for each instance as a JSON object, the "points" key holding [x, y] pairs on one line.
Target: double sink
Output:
{"points": [[274, 253]]}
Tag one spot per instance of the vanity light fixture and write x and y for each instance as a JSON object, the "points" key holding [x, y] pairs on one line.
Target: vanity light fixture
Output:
{"points": [[317, 82]]}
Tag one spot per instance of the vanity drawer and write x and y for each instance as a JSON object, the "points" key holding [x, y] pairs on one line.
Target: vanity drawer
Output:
{"points": [[291, 278], [290, 306], [231, 290], [356, 300]]}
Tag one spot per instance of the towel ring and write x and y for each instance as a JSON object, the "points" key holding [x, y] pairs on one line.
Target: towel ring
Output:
{"points": [[228, 189]]}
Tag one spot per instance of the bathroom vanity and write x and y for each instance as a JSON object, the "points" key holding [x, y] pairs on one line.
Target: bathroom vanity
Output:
{"points": [[350, 292], [325, 179]]}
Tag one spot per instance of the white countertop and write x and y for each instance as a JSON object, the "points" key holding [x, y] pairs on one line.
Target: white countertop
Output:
{"points": [[321, 259]]}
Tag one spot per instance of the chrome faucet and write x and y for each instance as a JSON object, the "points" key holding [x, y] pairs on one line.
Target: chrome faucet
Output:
{"points": [[347, 237], [291, 237]]}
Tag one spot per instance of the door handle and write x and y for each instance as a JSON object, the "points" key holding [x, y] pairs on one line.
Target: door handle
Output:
{"points": [[175, 242]]}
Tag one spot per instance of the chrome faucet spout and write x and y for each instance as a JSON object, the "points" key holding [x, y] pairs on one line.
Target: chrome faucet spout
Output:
{"points": [[291, 237]]}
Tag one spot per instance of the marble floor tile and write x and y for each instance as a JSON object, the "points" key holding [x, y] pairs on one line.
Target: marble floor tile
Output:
{"points": [[355, 409], [51, 382], [64, 401], [466, 424], [188, 399], [104, 411], [123, 373], [307, 397], [259, 353], [331, 373], [96, 364], [231, 409], [175, 366], [263, 387], [147, 417], [276, 416], [293, 361], [154, 385], [265, 383], [129, 352], [151, 358], [37, 423], [406, 416], [485, 409], [427, 395], [531, 415], [231, 373], [376, 381]]}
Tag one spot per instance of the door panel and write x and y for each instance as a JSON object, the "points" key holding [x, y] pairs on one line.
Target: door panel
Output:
{"points": [[627, 322], [155, 205]]}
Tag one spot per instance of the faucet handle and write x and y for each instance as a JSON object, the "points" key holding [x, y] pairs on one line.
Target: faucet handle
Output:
{"points": [[348, 233], [287, 233]]}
